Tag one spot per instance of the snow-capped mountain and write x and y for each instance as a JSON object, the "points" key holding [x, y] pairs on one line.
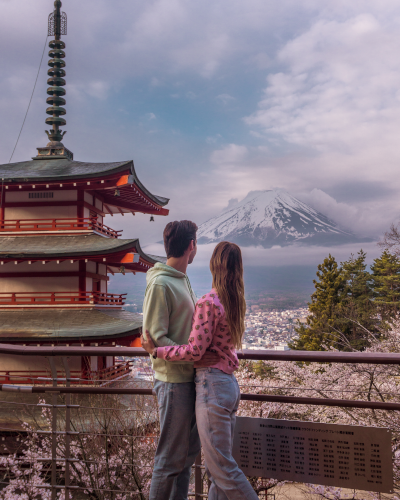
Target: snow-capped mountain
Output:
{"points": [[272, 217]]}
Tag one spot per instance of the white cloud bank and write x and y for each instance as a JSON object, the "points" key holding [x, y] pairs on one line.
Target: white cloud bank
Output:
{"points": [[364, 221], [281, 256], [338, 95]]}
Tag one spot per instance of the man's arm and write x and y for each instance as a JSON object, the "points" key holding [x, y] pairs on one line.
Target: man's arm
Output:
{"points": [[156, 315]]}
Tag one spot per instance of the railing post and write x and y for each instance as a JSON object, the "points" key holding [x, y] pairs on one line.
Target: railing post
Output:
{"points": [[67, 428], [54, 431], [198, 479]]}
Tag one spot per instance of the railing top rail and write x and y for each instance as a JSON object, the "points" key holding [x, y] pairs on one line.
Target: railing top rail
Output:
{"points": [[267, 398], [38, 219], [62, 293], [379, 358], [265, 355], [76, 223]]}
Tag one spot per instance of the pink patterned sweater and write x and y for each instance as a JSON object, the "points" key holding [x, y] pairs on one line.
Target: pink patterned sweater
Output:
{"points": [[209, 331]]}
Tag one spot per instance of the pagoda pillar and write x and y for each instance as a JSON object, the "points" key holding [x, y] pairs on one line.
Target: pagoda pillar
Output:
{"points": [[82, 276]]}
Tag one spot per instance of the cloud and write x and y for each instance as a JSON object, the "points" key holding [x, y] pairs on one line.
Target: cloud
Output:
{"points": [[150, 116], [337, 93], [278, 256], [232, 153], [225, 98], [316, 86], [363, 221], [155, 82], [213, 139]]}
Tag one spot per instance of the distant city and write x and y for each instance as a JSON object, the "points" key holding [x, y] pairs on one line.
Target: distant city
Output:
{"points": [[272, 329], [276, 299]]}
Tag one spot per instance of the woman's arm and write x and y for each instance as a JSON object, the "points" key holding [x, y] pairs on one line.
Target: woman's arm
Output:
{"points": [[204, 320]]}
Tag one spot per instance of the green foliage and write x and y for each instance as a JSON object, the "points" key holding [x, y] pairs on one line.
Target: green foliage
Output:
{"points": [[356, 312], [322, 322], [260, 369], [349, 303], [263, 370], [386, 284]]}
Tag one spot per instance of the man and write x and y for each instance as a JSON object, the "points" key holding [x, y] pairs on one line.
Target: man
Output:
{"points": [[167, 314]]}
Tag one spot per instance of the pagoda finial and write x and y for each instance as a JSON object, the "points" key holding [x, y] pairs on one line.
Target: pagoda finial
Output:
{"points": [[57, 27]]}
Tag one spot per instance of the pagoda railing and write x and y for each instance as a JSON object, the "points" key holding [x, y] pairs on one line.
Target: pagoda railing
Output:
{"points": [[73, 224], [56, 299]]}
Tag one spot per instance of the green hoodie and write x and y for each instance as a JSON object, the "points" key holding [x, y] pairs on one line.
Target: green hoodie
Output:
{"points": [[168, 309]]}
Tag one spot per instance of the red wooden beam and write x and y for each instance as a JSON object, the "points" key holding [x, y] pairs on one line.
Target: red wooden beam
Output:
{"points": [[41, 204], [108, 210], [93, 208], [54, 274]]}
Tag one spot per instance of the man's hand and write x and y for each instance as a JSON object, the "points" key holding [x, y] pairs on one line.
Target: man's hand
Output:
{"points": [[209, 359]]}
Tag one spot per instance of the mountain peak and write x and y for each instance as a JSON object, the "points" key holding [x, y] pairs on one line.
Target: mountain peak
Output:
{"points": [[272, 217]]}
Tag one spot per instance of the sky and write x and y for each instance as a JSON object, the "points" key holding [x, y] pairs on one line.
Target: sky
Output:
{"points": [[214, 99]]}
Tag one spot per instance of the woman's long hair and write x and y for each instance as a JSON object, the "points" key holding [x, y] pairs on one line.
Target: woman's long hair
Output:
{"points": [[227, 271]]}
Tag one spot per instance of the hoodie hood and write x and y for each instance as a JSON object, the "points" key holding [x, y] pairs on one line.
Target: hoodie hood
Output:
{"points": [[160, 269]]}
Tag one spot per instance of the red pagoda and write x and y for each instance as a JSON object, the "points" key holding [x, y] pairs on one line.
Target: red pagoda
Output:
{"points": [[56, 253]]}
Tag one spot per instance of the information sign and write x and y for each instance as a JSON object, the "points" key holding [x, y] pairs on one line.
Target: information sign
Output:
{"points": [[333, 455]]}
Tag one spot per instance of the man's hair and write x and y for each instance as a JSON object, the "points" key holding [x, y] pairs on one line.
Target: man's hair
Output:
{"points": [[177, 237]]}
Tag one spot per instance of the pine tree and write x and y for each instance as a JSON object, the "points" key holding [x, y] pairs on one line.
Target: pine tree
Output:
{"points": [[386, 284], [356, 310], [322, 324]]}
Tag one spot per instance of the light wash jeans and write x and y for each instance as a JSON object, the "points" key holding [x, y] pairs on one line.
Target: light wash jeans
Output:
{"points": [[179, 442], [217, 400]]}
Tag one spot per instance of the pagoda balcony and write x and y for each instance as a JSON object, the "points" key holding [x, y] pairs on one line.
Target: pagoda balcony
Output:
{"points": [[69, 226], [61, 299]]}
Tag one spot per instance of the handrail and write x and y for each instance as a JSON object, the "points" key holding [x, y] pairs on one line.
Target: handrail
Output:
{"points": [[65, 388], [266, 355], [27, 299], [78, 377], [308, 356], [67, 224], [344, 403]]}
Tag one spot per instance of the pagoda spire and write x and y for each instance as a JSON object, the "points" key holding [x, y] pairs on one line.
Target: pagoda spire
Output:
{"points": [[57, 27]]}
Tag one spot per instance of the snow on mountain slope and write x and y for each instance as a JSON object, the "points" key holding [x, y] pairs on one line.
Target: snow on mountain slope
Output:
{"points": [[272, 217]]}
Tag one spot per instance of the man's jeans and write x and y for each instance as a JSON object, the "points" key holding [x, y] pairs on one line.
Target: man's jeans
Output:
{"points": [[179, 442], [217, 400]]}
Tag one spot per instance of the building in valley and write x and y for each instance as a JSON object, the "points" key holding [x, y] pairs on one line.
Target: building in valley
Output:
{"points": [[56, 253]]}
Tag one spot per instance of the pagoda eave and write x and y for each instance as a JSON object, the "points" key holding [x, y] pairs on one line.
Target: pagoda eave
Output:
{"points": [[89, 247], [67, 325], [107, 180]]}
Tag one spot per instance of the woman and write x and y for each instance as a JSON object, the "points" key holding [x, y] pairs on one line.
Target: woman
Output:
{"points": [[218, 325]]}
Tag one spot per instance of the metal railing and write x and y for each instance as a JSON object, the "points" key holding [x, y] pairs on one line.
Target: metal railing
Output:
{"points": [[61, 387], [56, 299], [56, 225], [78, 377]]}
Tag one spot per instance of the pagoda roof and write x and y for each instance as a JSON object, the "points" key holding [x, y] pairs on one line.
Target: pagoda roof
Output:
{"points": [[66, 324], [111, 251], [64, 170], [66, 246]]}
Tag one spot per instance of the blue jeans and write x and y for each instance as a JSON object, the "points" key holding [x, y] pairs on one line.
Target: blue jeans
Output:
{"points": [[179, 442], [217, 400]]}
